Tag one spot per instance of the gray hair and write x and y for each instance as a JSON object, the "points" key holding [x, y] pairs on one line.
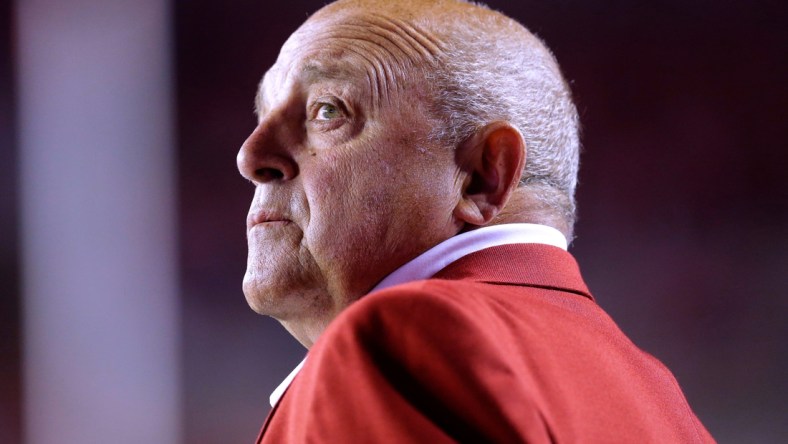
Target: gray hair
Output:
{"points": [[482, 77]]}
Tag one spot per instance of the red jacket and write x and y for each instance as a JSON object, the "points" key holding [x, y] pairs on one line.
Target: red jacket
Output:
{"points": [[505, 345]]}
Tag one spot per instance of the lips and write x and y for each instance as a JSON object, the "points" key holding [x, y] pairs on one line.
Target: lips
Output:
{"points": [[265, 217]]}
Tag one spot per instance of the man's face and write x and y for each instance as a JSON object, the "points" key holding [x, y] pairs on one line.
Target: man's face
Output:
{"points": [[348, 186]]}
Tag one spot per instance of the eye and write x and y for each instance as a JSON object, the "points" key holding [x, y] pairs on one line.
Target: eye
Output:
{"points": [[327, 111]]}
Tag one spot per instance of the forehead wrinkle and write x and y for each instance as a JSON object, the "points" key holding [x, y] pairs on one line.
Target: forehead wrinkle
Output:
{"points": [[310, 68], [427, 45], [412, 40], [376, 57], [408, 45], [379, 56], [314, 69], [401, 57], [393, 46], [378, 72], [377, 81]]}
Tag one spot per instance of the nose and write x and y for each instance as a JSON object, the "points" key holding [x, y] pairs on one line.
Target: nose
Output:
{"points": [[264, 156]]}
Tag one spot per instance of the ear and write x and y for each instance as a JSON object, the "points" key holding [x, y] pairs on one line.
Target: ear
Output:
{"points": [[493, 161]]}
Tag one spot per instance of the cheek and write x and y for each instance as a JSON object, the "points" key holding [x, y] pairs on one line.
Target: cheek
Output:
{"points": [[332, 190], [368, 195], [350, 200]]}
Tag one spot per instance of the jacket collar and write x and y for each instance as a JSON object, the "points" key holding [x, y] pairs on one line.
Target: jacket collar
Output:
{"points": [[533, 265]]}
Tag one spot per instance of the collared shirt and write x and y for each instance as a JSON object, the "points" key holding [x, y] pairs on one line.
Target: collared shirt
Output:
{"points": [[438, 257]]}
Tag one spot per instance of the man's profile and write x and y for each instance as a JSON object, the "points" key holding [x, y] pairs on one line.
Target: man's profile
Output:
{"points": [[414, 166]]}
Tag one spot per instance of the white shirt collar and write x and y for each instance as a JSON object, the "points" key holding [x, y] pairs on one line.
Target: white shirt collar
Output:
{"points": [[438, 257], [280, 389]]}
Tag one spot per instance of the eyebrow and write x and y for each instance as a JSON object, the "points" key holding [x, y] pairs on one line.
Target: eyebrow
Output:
{"points": [[258, 97], [314, 71], [311, 72]]}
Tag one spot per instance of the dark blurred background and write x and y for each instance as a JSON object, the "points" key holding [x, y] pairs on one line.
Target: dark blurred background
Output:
{"points": [[683, 229]]}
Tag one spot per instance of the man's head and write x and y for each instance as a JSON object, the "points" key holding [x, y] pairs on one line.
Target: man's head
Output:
{"points": [[385, 128]]}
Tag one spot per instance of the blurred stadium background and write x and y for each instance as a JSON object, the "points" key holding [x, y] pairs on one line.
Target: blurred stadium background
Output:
{"points": [[124, 321]]}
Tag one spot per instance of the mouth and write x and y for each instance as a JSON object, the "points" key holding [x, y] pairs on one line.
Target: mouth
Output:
{"points": [[263, 218]]}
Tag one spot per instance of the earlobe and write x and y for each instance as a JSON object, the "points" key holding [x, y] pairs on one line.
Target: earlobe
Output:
{"points": [[469, 212], [493, 160]]}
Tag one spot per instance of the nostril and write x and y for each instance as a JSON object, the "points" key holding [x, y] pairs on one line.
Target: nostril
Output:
{"points": [[268, 174]]}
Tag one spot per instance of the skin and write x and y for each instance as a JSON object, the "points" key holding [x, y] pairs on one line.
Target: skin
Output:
{"points": [[347, 185]]}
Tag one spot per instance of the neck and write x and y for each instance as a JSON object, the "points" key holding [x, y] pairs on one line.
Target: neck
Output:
{"points": [[305, 332], [307, 328], [523, 207]]}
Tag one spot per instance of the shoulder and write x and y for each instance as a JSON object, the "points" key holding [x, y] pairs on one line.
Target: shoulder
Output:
{"points": [[419, 313], [453, 313], [445, 335], [424, 348]]}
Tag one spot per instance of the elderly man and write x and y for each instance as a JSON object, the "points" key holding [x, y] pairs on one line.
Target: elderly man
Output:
{"points": [[414, 166]]}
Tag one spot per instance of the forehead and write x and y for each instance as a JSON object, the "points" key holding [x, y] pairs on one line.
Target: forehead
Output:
{"points": [[383, 53]]}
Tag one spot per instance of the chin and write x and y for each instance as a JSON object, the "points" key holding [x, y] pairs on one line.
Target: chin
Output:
{"points": [[258, 304], [285, 301], [265, 300]]}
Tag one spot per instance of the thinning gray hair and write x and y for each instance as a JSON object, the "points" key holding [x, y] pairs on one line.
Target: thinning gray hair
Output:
{"points": [[482, 78]]}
